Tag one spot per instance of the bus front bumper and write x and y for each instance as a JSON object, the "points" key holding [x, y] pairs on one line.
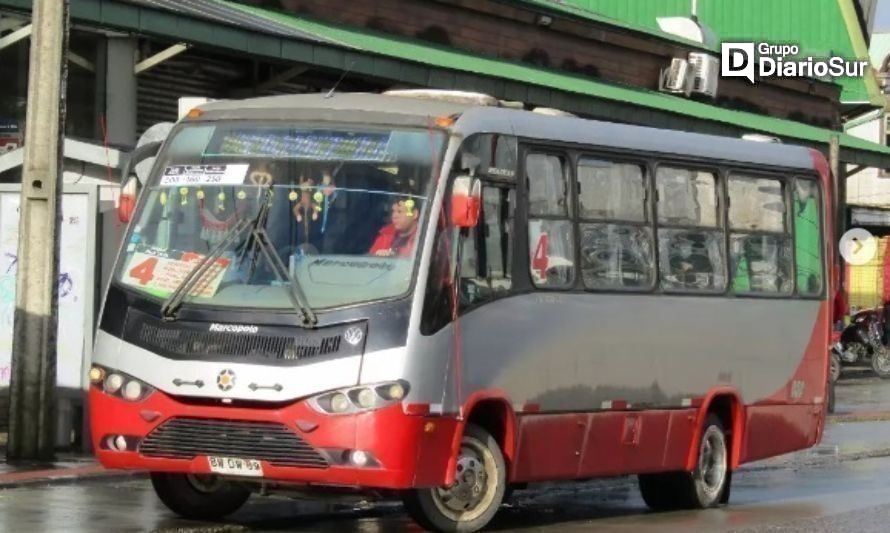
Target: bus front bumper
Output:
{"points": [[294, 443]]}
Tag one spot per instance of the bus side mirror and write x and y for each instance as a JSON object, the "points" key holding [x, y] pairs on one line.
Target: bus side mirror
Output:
{"points": [[130, 181], [466, 201]]}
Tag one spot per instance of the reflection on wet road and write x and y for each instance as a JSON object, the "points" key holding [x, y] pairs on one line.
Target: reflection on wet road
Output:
{"points": [[837, 496]]}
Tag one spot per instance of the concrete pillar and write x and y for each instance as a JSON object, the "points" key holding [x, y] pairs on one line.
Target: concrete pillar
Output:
{"points": [[120, 91]]}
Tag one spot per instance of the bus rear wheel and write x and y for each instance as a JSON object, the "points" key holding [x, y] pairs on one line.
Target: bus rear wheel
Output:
{"points": [[476, 494], [199, 497], [706, 486]]}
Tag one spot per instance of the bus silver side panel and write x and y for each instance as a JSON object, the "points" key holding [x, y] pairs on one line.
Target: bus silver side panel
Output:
{"points": [[577, 351]]}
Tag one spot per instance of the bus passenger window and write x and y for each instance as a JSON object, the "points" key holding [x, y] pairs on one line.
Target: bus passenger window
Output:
{"points": [[547, 191], [550, 232], [807, 241], [485, 271], [690, 240], [616, 245], [759, 244]]}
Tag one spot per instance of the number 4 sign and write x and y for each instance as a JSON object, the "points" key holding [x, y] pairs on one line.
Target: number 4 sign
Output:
{"points": [[144, 271], [541, 257], [164, 274]]}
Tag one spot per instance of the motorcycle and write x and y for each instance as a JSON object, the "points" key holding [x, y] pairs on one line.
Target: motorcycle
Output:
{"points": [[862, 343]]}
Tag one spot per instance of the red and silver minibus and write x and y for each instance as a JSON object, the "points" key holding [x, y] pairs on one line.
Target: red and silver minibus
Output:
{"points": [[438, 298]]}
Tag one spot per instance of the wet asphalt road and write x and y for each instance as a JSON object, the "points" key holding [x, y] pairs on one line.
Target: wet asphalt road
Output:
{"points": [[834, 487], [798, 495]]}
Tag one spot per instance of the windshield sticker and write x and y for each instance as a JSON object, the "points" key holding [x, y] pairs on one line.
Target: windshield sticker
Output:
{"points": [[316, 145], [179, 175], [161, 274]]}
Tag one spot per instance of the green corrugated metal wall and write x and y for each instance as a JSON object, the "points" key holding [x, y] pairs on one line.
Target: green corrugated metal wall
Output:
{"points": [[816, 25]]}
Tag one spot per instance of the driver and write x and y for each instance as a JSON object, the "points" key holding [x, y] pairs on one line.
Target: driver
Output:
{"points": [[397, 237]]}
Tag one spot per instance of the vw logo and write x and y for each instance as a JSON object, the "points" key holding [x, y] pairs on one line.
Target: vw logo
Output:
{"points": [[353, 335], [225, 380]]}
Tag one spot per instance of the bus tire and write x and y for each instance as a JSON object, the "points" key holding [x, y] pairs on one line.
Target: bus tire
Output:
{"points": [[199, 497], [476, 495], [706, 486], [659, 491]]}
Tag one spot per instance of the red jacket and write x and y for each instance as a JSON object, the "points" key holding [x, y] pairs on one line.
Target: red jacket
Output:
{"points": [[389, 238]]}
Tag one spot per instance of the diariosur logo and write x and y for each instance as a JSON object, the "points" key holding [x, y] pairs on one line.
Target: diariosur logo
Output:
{"points": [[765, 60]]}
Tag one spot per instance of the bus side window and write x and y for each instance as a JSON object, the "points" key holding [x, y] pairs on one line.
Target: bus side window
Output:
{"points": [[759, 243], [550, 231], [438, 298], [807, 238], [485, 271], [690, 240], [616, 243]]}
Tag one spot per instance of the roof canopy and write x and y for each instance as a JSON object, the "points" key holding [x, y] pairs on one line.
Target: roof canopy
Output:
{"points": [[413, 62]]}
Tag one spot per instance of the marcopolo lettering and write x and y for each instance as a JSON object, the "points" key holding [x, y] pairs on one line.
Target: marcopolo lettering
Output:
{"points": [[234, 328], [353, 264]]}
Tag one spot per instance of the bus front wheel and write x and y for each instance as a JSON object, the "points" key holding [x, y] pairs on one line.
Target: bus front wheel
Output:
{"points": [[706, 486], [199, 497], [476, 494]]}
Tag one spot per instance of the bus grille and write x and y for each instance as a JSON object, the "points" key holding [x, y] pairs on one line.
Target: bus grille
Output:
{"points": [[187, 342], [186, 438]]}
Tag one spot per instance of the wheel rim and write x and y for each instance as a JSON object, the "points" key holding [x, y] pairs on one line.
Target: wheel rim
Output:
{"points": [[204, 484], [712, 461], [882, 360], [475, 483]]}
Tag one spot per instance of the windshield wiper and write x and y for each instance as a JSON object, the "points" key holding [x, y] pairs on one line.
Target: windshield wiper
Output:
{"points": [[297, 296], [260, 239], [170, 306]]}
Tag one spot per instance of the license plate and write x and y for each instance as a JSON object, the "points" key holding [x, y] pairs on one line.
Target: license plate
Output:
{"points": [[234, 466]]}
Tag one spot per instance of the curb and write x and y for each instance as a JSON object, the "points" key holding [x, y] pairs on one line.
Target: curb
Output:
{"points": [[817, 457], [862, 416], [61, 476]]}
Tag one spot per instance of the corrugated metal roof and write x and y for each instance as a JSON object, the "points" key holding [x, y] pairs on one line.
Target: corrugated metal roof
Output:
{"points": [[820, 27], [450, 58], [225, 14]]}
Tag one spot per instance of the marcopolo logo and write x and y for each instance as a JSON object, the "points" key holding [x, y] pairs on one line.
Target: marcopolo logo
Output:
{"points": [[747, 60], [233, 328]]}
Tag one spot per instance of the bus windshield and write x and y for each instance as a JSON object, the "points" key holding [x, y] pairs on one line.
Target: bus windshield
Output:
{"points": [[343, 213]]}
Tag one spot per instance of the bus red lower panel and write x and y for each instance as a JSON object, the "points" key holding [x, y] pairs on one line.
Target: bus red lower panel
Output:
{"points": [[411, 451], [581, 445], [776, 429]]}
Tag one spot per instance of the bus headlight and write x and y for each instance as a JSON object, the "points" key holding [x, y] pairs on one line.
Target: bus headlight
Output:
{"points": [[339, 403], [365, 399], [132, 390], [119, 384], [358, 399], [113, 383], [395, 391]]}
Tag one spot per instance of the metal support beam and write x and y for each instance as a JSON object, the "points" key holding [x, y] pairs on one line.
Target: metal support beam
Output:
{"points": [[81, 61], [839, 186], [16, 36], [160, 57], [8, 23], [33, 377], [280, 78], [850, 172]]}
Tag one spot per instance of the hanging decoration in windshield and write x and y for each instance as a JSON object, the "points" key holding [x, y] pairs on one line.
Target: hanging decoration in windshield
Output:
{"points": [[317, 145]]}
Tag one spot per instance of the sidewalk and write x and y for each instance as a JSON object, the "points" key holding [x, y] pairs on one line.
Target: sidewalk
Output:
{"points": [[68, 468]]}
